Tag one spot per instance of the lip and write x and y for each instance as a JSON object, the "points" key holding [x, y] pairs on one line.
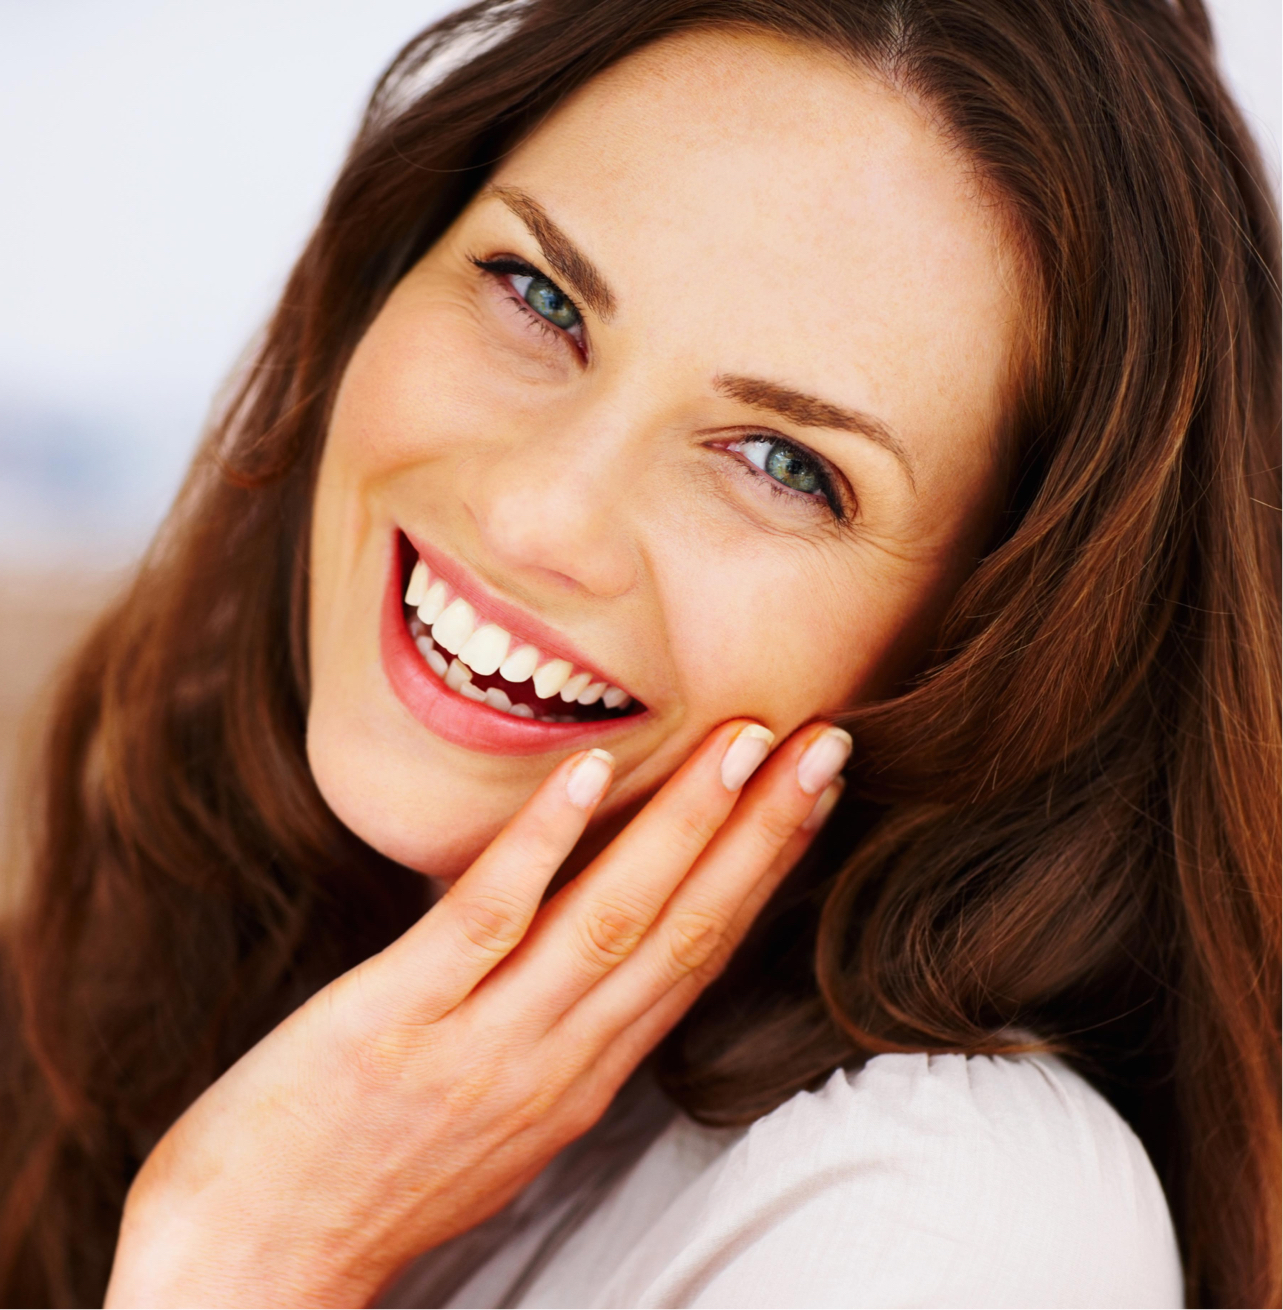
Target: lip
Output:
{"points": [[454, 718]]}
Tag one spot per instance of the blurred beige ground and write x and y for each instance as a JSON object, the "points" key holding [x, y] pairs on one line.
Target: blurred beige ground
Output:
{"points": [[41, 616]]}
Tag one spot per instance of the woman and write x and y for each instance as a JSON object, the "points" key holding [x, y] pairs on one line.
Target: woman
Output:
{"points": [[664, 384]]}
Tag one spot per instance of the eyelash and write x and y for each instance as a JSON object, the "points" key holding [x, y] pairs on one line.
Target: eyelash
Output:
{"points": [[501, 267]]}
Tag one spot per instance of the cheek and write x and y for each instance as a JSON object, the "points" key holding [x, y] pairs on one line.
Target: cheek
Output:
{"points": [[787, 641], [411, 382]]}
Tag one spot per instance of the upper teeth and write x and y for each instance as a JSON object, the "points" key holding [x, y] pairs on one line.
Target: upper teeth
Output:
{"points": [[452, 630], [486, 648], [573, 685], [550, 678], [418, 585], [520, 665], [433, 601]]}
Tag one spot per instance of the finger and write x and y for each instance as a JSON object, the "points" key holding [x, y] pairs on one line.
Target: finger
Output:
{"points": [[487, 912], [598, 919], [623, 1051], [800, 842], [823, 807], [707, 916]]}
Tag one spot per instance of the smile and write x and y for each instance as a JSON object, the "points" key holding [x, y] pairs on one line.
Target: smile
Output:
{"points": [[477, 672]]}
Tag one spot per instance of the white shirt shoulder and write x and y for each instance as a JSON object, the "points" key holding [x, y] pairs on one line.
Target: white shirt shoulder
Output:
{"points": [[916, 1181]]}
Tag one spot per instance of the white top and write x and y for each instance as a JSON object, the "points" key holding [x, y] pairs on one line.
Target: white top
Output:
{"points": [[917, 1181]]}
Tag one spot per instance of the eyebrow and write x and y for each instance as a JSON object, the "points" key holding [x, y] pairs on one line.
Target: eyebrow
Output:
{"points": [[566, 259], [810, 412]]}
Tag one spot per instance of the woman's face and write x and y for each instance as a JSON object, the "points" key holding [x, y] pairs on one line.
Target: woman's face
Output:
{"points": [[699, 399]]}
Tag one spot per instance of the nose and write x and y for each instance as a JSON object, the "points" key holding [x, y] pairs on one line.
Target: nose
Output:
{"points": [[553, 503]]}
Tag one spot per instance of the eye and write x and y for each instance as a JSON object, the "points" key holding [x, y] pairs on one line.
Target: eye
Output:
{"points": [[788, 465], [536, 294], [546, 298]]}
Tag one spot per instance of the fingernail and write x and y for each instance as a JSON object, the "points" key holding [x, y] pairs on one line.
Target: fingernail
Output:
{"points": [[822, 760], [823, 807], [751, 746], [589, 778]]}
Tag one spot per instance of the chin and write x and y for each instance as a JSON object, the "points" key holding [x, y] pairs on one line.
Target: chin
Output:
{"points": [[420, 812]]}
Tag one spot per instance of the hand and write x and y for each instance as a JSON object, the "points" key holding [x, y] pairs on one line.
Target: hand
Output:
{"points": [[414, 1096]]}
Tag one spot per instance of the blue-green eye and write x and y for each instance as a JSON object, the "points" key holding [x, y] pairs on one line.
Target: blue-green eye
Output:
{"points": [[546, 298], [539, 294], [789, 466]]}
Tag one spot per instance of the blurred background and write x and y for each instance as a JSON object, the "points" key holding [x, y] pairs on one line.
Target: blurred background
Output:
{"points": [[160, 166]]}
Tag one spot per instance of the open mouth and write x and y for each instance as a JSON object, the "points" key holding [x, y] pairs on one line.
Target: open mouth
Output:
{"points": [[486, 663]]}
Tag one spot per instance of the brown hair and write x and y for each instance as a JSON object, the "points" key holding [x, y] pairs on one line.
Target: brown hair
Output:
{"points": [[1067, 826]]}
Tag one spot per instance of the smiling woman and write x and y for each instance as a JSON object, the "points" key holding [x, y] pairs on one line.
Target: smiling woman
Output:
{"points": [[650, 476], [447, 893]]}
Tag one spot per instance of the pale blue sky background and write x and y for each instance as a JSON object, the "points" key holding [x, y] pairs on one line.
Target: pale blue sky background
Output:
{"points": [[161, 162]]}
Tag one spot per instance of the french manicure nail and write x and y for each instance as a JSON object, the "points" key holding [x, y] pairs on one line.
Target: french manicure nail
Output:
{"points": [[589, 778], [823, 807], [822, 760], [752, 744]]}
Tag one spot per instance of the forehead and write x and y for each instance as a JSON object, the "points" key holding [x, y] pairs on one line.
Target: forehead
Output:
{"points": [[792, 207]]}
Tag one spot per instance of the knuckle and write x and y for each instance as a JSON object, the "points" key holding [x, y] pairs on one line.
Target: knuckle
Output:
{"points": [[694, 939], [694, 830], [611, 933], [581, 1109], [490, 925], [774, 827], [539, 848], [711, 967]]}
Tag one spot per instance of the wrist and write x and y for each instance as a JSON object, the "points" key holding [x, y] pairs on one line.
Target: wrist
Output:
{"points": [[178, 1249]]}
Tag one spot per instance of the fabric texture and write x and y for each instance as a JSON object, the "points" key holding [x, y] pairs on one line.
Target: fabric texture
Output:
{"points": [[916, 1181]]}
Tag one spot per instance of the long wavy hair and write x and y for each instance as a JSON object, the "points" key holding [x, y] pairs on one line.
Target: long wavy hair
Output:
{"points": [[1063, 832]]}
